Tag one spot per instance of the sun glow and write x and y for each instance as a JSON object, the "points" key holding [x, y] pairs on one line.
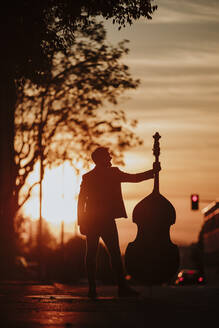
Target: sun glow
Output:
{"points": [[60, 192]]}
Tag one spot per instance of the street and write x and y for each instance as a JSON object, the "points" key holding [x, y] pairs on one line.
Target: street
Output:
{"points": [[59, 305]]}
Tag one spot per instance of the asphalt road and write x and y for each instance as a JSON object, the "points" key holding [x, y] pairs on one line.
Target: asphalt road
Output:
{"points": [[27, 305]]}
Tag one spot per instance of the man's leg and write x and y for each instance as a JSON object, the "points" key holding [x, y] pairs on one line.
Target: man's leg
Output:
{"points": [[110, 237], [111, 240], [92, 245]]}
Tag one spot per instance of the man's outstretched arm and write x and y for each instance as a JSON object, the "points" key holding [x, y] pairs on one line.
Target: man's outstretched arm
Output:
{"points": [[138, 177]]}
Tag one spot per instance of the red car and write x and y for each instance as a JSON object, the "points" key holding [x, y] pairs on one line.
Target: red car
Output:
{"points": [[190, 277]]}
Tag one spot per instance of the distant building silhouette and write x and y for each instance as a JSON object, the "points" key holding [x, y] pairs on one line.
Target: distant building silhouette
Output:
{"points": [[209, 236]]}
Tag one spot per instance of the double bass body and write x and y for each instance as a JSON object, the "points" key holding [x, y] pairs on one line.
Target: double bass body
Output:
{"points": [[152, 258]]}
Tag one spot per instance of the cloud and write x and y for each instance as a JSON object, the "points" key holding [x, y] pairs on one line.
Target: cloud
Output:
{"points": [[176, 57], [177, 78], [186, 11]]}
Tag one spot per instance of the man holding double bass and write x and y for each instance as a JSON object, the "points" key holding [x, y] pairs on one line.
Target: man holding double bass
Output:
{"points": [[100, 202]]}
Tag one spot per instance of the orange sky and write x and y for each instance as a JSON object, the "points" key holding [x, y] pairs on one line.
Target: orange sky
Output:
{"points": [[176, 58]]}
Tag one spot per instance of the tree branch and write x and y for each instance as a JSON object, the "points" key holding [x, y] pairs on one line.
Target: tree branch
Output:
{"points": [[28, 195]]}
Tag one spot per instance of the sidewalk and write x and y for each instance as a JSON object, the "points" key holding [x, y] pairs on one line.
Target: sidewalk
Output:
{"points": [[27, 305]]}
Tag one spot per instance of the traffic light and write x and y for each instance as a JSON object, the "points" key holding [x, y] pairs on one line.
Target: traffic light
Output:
{"points": [[194, 201]]}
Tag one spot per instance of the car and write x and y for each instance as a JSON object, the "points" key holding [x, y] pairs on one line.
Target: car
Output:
{"points": [[190, 277]]}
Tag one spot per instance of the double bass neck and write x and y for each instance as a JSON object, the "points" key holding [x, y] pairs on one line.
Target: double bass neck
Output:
{"points": [[156, 153]]}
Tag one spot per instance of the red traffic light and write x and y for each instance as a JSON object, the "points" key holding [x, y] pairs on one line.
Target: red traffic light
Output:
{"points": [[194, 201], [194, 198]]}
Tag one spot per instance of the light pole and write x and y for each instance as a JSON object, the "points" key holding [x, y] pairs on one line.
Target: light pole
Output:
{"points": [[63, 202], [40, 197], [41, 158], [62, 234]]}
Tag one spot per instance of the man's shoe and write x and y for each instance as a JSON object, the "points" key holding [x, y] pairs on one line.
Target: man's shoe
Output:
{"points": [[127, 292]]}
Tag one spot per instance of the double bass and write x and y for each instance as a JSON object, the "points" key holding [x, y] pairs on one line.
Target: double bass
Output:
{"points": [[152, 258]]}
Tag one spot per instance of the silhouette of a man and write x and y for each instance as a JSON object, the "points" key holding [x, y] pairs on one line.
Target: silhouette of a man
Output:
{"points": [[100, 202]]}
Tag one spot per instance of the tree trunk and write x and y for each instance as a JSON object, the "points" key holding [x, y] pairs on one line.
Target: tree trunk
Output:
{"points": [[7, 173]]}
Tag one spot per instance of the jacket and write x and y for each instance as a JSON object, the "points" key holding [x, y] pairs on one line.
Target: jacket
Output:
{"points": [[100, 196]]}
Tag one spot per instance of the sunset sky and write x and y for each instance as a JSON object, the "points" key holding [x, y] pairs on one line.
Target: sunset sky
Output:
{"points": [[176, 57]]}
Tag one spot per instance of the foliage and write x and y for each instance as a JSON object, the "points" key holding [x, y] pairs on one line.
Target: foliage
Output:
{"points": [[40, 28], [66, 119], [67, 263], [32, 32]]}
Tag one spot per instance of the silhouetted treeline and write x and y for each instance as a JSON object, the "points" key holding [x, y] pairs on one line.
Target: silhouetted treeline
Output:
{"points": [[67, 263], [63, 264]]}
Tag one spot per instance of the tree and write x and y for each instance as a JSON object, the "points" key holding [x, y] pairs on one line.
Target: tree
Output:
{"points": [[33, 30], [66, 119]]}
